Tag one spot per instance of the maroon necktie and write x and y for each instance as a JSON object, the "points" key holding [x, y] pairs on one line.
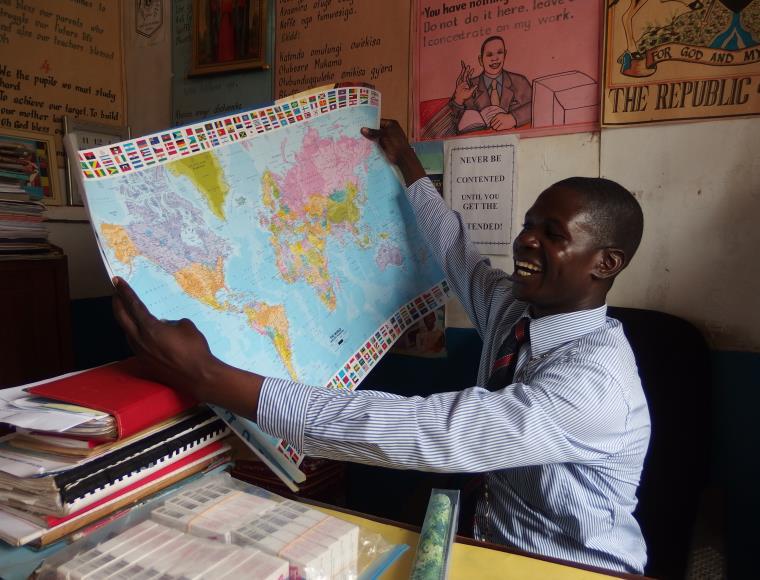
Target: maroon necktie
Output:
{"points": [[503, 370]]}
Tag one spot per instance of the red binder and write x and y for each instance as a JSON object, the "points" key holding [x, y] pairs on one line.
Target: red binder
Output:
{"points": [[121, 390]]}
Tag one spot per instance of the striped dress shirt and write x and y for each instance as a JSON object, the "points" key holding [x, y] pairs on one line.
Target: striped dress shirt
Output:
{"points": [[561, 448]]}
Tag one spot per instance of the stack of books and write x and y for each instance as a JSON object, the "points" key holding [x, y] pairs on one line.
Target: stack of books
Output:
{"points": [[89, 444], [23, 232]]}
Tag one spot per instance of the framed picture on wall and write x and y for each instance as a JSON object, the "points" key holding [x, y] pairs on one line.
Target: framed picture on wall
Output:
{"points": [[87, 136], [228, 35], [28, 168]]}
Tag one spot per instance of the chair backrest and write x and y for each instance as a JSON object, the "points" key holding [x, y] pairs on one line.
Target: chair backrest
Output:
{"points": [[674, 366]]}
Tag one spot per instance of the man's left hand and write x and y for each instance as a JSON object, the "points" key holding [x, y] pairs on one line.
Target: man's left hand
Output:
{"points": [[175, 352]]}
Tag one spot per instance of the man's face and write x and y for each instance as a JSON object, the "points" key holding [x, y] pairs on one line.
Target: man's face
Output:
{"points": [[556, 255], [492, 57]]}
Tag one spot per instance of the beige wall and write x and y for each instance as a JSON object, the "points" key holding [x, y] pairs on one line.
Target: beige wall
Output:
{"points": [[148, 70], [699, 185]]}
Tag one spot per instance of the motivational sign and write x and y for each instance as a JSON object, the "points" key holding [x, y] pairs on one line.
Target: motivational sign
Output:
{"points": [[675, 60], [58, 59], [342, 41], [526, 66], [479, 183]]}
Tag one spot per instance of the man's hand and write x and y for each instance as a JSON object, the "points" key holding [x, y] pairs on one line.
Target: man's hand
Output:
{"points": [[178, 355], [392, 140], [464, 89], [503, 122]]}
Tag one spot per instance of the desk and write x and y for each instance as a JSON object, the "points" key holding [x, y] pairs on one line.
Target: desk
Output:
{"points": [[471, 559]]}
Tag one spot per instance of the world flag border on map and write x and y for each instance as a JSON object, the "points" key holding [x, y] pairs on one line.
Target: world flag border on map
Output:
{"points": [[359, 365], [374, 348], [159, 148]]}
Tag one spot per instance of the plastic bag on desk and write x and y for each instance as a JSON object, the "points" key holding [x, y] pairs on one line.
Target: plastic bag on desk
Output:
{"points": [[243, 519]]}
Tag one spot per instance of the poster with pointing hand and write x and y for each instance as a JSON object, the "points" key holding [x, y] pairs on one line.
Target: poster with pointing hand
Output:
{"points": [[506, 66]]}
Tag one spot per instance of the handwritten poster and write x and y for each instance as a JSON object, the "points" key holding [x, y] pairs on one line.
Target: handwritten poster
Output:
{"points": [[60, 58], [195, 99], [680, 59], [479, 182], [333, 41], [527, 66]]}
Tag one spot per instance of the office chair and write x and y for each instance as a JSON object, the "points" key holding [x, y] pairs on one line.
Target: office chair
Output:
{"points": [[674, 366]]}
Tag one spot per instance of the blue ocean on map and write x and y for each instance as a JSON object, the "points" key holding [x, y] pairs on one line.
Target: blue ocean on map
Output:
{"points": [[288, 250]]}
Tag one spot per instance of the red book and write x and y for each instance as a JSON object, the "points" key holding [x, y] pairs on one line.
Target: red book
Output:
{"points": [[121, 390]]}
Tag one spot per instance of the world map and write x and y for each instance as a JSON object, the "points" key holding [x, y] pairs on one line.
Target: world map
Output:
{"points": [[288, 250]]}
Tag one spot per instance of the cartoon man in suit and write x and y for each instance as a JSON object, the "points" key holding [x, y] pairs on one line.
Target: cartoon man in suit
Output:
{"points": [[495, 86]]}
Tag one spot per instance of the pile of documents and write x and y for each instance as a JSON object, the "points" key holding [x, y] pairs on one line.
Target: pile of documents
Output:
{"points": [[88, 444], [22, 229]]}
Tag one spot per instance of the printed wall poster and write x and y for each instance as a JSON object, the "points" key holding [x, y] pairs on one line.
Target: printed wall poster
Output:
{"points": [[480, 180], [525, 66], [60, 59], [426, 338], [27, 166], [669, 60]]}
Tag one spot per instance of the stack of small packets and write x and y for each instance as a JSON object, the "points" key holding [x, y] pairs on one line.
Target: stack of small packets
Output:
{"points": [[214, 529]]}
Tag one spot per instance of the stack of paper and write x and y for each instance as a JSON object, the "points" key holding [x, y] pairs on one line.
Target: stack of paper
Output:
{"points": [[87, 444], [22, 228]]}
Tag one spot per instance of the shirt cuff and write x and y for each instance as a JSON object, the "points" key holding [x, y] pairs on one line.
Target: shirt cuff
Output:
{"points": [[282, 410], [418, 183]]}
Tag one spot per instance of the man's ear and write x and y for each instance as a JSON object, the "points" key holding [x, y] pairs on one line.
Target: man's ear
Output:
{"points": [[611, 262]]}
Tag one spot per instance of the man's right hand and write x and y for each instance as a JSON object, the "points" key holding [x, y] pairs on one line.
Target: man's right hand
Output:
{"points": [[464, 89], [392, 140]]}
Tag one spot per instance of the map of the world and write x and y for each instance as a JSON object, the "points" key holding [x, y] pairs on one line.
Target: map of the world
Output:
{"points": [[290, 244]]}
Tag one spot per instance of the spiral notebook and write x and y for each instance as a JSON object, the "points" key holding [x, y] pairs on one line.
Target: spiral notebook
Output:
{"points": [[73, 490]]}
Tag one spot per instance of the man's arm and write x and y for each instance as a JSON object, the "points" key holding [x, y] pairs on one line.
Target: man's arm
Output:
{"points": [[470, 274], [576, 413], [473, 430]]}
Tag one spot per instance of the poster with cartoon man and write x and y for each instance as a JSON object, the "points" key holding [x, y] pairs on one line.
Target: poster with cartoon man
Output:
{"points": [[525, 66], [669, 60]]}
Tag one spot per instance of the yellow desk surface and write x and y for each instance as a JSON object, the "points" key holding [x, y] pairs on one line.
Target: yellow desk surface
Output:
{"points": [[468, 561]]}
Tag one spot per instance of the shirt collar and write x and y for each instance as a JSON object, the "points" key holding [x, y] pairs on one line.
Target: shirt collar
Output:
{"points": [[498, 80], [549, 332]]}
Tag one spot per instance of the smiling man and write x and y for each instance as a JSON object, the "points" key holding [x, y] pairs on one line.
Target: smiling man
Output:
{"points": [[558, 423], [494, 87]]}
